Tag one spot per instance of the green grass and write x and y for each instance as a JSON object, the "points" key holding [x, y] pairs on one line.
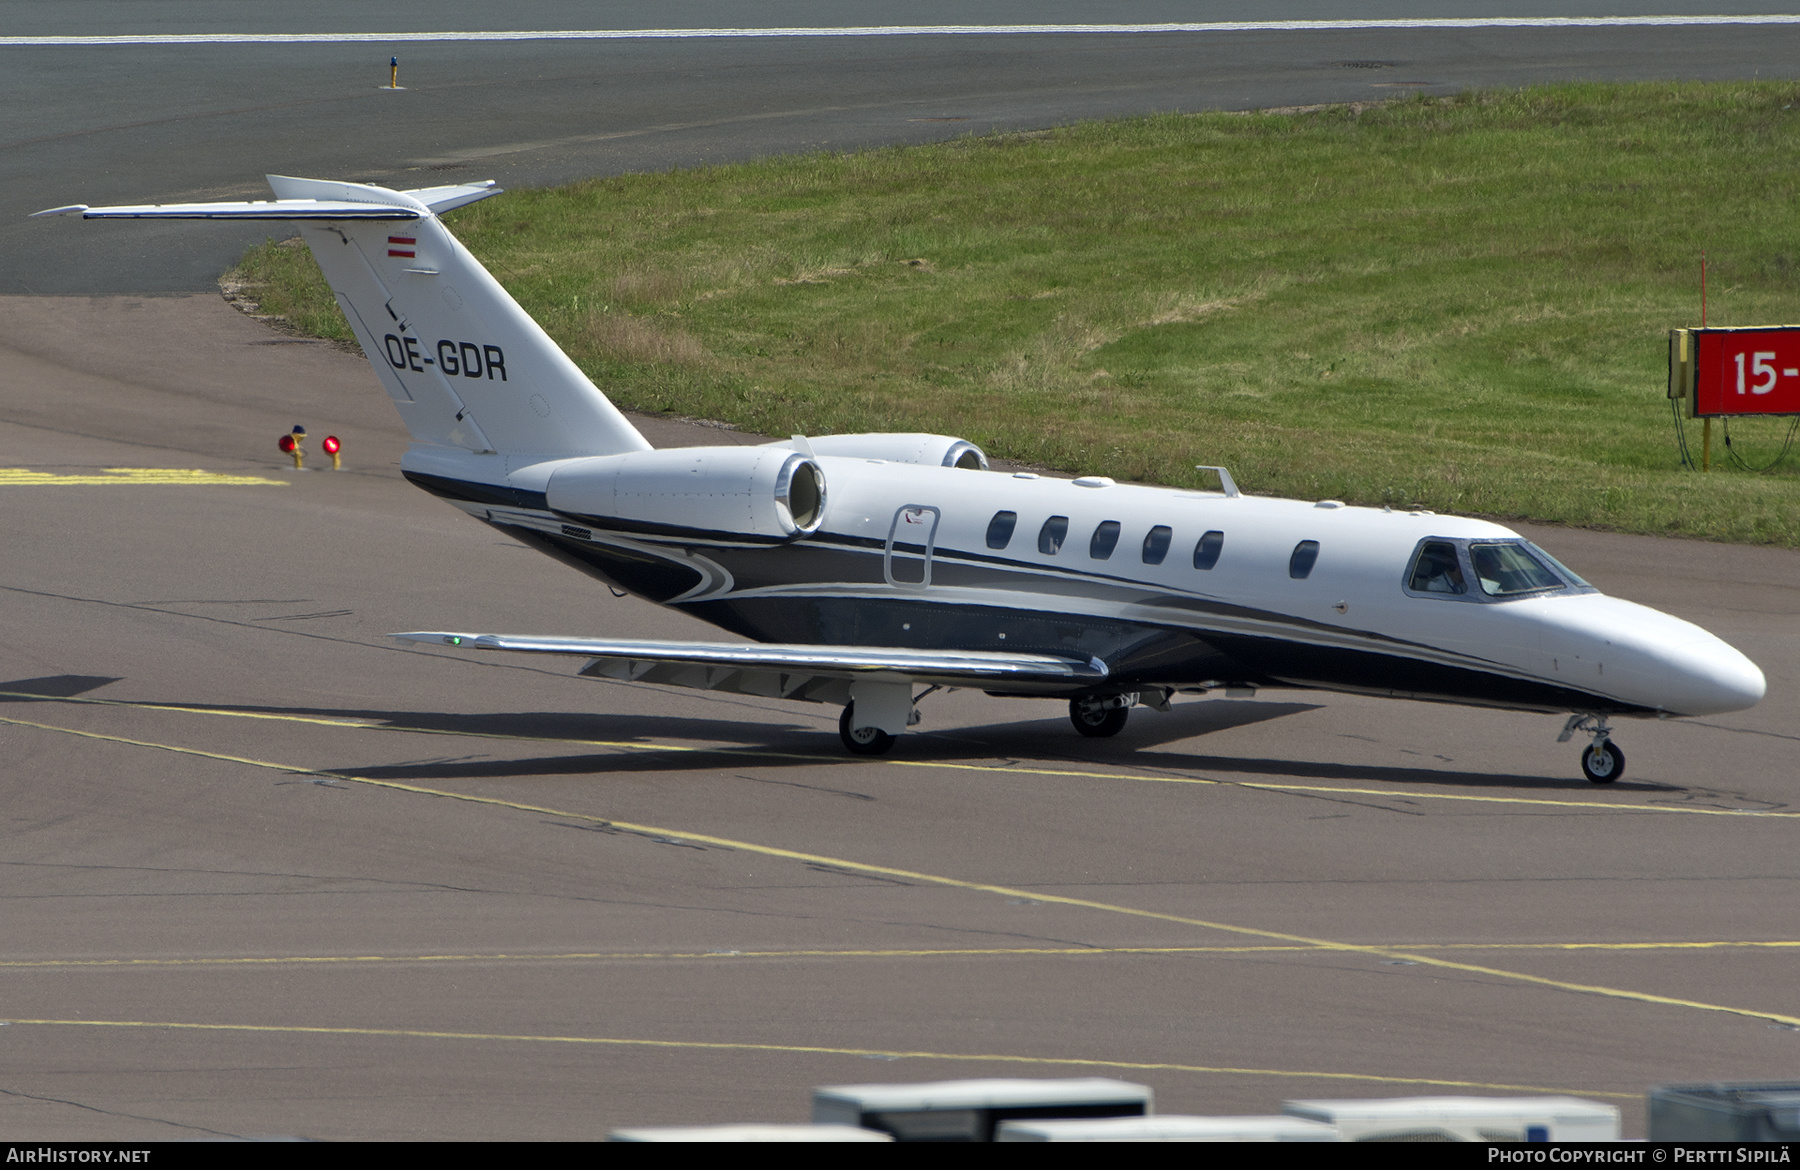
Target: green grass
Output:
{"points": [[1461, 303]]}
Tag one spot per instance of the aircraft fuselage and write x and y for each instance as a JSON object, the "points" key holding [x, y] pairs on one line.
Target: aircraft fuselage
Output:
{"points": [[935, 557]]}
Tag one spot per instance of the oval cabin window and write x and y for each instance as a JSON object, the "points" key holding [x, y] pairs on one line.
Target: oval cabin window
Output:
{"points": [[1106, 538], [1156, 544], [1206, 553], [1000, 529], [1301, 563], [1050, 536]]}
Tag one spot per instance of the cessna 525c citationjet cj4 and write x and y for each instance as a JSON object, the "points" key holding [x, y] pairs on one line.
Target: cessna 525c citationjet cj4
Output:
{"points": [[867, 566]]}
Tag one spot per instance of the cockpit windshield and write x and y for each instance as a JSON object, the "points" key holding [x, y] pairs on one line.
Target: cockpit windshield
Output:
{"points": [[1569, 574], [1505, 570]]}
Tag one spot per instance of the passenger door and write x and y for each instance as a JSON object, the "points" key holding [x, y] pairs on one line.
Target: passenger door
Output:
{"points": [[914, 528]]}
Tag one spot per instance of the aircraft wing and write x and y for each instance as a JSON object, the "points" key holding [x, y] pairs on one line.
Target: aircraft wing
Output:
{"points": [[820, 674]]}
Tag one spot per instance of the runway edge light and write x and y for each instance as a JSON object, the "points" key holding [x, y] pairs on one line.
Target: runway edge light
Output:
{"points": [[333, 448]]}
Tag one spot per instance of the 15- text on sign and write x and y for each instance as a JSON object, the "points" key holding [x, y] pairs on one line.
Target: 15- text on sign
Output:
{"points": [[1747, 371]]}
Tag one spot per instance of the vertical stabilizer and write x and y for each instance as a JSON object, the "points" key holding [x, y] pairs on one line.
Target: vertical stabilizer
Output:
{"points": [[465, 365]]}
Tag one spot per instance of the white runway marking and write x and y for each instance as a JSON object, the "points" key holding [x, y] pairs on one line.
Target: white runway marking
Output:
{"points": [[908, 30]]}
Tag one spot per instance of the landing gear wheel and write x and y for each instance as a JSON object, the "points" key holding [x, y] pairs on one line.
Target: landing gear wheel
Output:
{"points": [[1603, 762], [862, 741], [1096, 721]]}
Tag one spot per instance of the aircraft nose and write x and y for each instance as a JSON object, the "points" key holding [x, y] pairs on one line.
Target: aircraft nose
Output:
{"points": [[1655, 659], [1708, 677]]}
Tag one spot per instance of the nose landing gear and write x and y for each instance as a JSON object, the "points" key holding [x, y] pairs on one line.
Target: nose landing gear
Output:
{"points": [[1601, 761]]}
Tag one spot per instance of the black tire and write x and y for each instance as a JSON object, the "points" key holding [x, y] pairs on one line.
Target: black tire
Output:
{"points": [[1097, 722], [862, 741], [1603, 764]]}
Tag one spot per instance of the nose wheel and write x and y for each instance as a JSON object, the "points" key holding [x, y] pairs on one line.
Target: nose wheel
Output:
{"points": [[1601, 761]]}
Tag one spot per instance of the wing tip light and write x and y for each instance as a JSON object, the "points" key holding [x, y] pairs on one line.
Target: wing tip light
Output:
{"points": [[435, 638]]}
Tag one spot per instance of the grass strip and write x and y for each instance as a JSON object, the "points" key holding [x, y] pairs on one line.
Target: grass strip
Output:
{"points": [[1460, 303]]}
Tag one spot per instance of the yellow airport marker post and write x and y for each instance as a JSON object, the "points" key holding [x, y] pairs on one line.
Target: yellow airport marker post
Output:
{"points": [[290, 444]]}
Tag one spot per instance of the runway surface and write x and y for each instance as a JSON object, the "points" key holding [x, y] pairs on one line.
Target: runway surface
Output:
{"points": [[267, 873]]}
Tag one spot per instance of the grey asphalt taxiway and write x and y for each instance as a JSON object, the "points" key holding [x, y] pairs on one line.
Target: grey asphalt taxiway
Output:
{"points": [[267, 873]]}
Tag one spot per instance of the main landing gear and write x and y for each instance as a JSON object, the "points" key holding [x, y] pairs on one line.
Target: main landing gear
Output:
{"points": [[862, 741], [1100, 716], [1601, 761]]}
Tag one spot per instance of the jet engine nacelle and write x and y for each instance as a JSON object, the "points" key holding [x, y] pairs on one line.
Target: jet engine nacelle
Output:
{"points": [[930, 450], [749, 491]]}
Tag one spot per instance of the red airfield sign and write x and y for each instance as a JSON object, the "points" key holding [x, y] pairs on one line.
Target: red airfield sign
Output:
{"points": [[1746, 371]]}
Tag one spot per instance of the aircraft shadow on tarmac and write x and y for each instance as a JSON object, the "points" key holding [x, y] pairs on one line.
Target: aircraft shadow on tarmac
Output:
{"points": [[1142, 745], [794, 744], [55, 686]]}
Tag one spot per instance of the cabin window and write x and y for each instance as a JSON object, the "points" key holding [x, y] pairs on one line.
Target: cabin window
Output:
{"points": [[1206, 553], [1000, 529], [1106, 538], [1156, 544], [1436, 570], [1507, 569], [1050, 536], [1301, 563]]}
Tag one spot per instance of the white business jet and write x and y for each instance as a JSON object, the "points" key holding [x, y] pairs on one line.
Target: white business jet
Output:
{"points": [[869, 566]]}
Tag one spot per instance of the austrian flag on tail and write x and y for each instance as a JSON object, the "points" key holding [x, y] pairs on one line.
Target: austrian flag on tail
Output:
{"points": [[401, 245]]}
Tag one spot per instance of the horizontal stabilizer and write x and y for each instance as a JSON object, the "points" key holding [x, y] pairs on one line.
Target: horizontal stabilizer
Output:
{"points": [[442, 199], [788, 671], [437, 199], [262, 209]]}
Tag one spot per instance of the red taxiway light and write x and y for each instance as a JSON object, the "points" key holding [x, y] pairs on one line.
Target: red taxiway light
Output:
{"points": [[330, 444], [290, 445]]}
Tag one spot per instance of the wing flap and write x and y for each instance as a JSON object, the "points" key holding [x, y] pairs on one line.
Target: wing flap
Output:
{"points": [[777, 670]]}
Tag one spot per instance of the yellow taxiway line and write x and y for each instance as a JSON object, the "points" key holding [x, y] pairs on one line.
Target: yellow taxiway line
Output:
{"points": [[811, 1050], [1416, 955], [872, 953], [140, 476]]}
